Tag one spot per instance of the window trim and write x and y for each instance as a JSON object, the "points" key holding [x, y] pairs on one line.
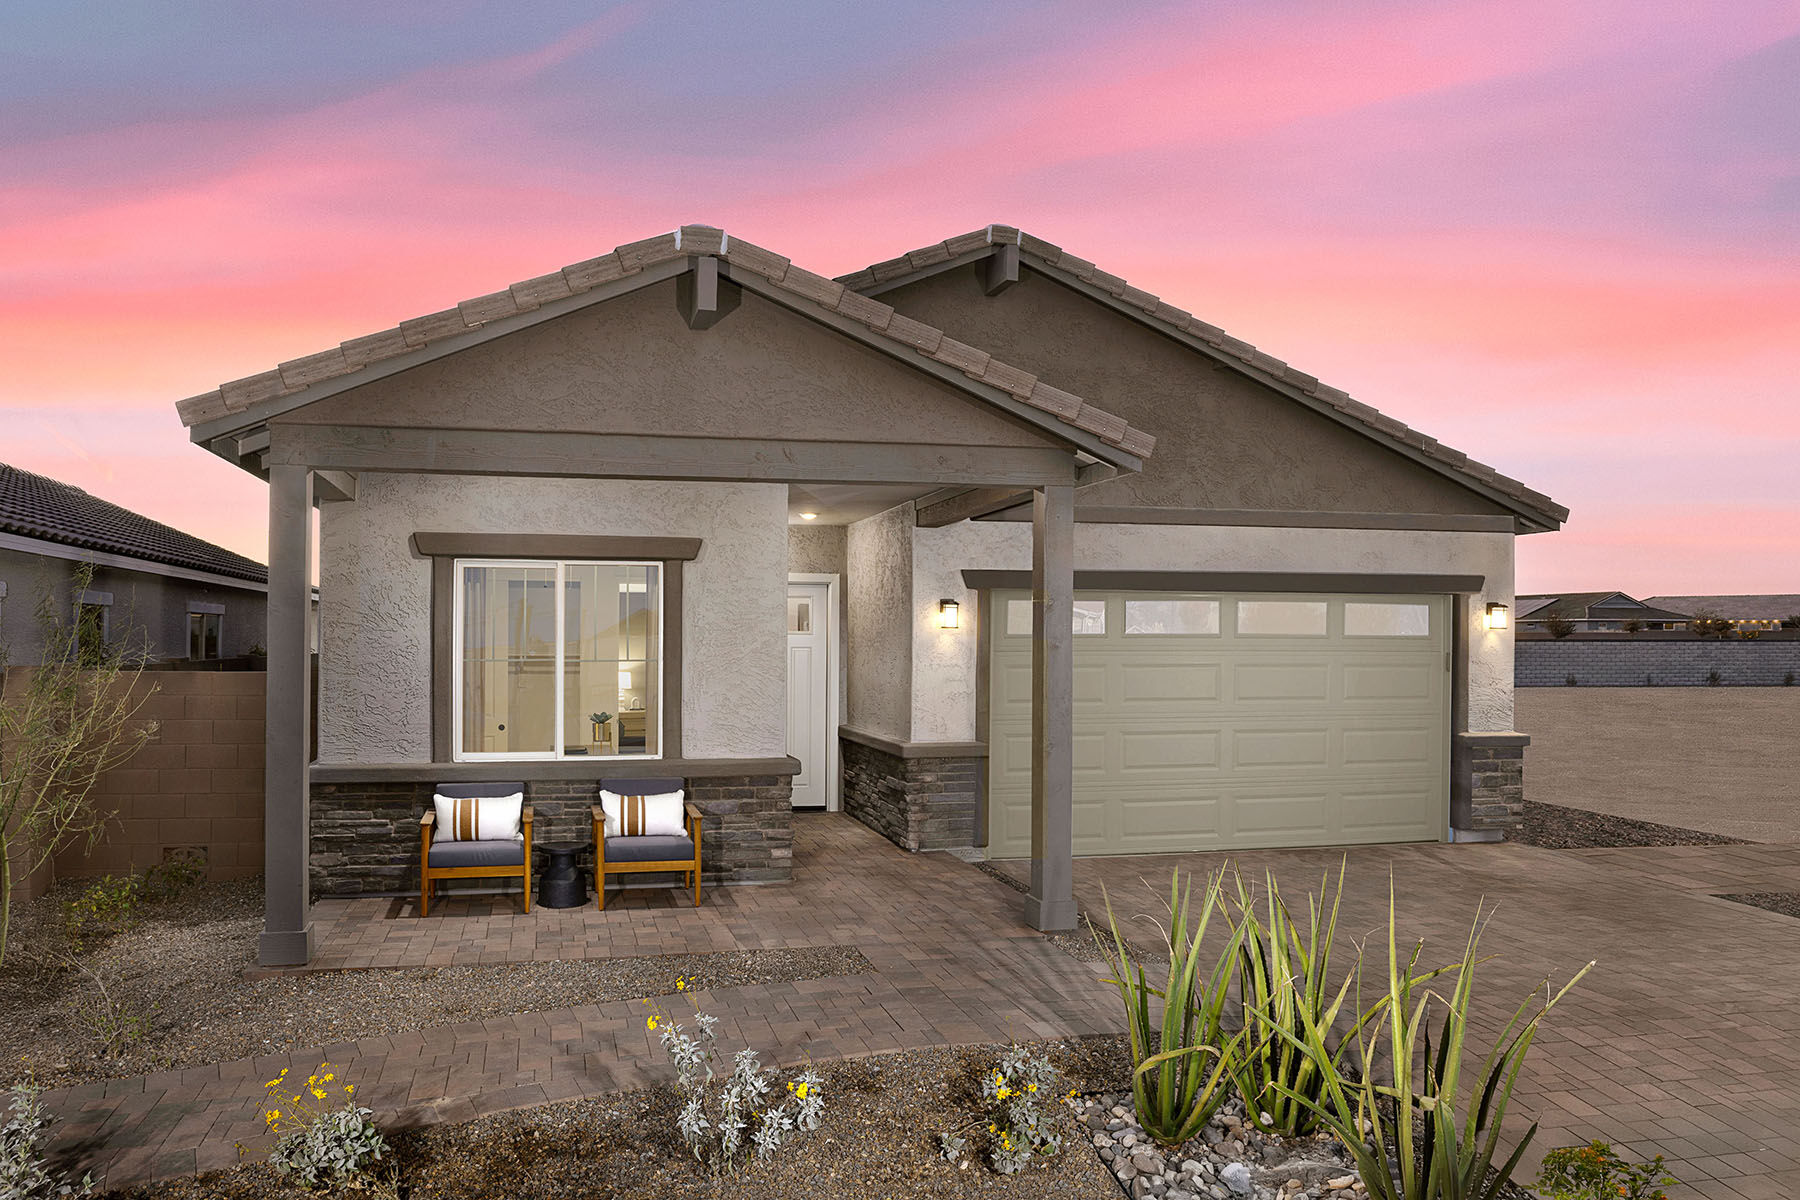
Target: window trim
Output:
{"points": [[443, 549], [203, 611], [559, 586]]}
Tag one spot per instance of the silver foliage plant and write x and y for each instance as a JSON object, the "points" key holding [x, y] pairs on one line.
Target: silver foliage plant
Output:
{"points": [[1019, 1122], [24, 1175], [336, 1148], [731, 1114]]}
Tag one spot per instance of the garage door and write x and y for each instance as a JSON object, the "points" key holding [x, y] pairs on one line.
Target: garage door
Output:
{"points": [[1207, 721]]}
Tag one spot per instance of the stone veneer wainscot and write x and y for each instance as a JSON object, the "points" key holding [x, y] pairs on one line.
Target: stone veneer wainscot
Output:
{"points": [[918, 803]]}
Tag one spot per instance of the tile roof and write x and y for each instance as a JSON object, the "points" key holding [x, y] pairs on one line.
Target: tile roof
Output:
{"points": [[1247, 357], [631, 259], [1772, 607], [36, 506], [1592, 606]]}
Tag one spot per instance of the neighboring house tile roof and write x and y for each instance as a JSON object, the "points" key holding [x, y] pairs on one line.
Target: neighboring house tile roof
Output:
{"points": [[1593, 606], [1247, 357], [1773, 607], [36, 506], [630, 259]]}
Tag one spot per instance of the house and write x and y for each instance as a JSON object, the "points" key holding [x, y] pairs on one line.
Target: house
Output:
{"points": [[982, 545], [1748, 613], [1597, 612], [159, 589]]}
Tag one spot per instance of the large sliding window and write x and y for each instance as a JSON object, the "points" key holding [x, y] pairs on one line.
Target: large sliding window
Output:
{"points": [[557, 659]]}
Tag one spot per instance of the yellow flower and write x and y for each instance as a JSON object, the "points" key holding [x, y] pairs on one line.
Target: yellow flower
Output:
{"points": [[329, 1076], [800, 1091], [790, 1086], [993, 1128], [1003, 1093], [272, 1083], [349, 1089], [650, 1023], [1031, 1087], [274, 1116], [681, 985], [319, 1093], [312, 1080]]}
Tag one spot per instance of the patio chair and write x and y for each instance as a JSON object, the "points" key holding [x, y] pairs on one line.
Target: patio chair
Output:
{"points": [[655, 809], [458, 851]]}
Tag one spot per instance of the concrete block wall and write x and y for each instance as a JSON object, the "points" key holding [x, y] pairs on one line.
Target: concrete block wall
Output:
{"points": [[197, 785], [1627, 662]]}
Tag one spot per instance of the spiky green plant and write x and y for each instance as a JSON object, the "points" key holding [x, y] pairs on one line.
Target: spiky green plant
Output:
{"points": [[1180, 1053], [1408, 1102], [1284, 983]]}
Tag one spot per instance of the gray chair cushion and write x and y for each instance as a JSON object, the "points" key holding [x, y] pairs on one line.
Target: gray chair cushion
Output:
{"points": [[478, 854], [643, 787], [649, 849], [476, 791]]}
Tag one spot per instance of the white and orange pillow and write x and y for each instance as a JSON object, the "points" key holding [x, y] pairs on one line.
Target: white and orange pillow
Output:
{"points": [[479, 818], [660, 815]]}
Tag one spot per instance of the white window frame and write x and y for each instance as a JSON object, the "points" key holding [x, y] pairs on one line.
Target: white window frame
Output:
{"points": [[555, 753], [198, 608]]}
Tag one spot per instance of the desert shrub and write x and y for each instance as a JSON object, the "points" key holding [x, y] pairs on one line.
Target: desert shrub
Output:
{"points": [[1787, 680], [1595, 1172], [24, 1175], [1632, 625], [1404, 1098], [1284, 983], [1569, 680], [1180, 1054], [1791, 622], [1707, 623], [724, 1121], [1019, 1124], [1558, 627], [1714, 679], [1649, 679], [112, 1015], [174, 876], [323, 1138], [104, 907]]}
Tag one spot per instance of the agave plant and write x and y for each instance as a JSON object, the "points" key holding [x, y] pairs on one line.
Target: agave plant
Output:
{"points": [[1442, 1139], [1284, 982], [1179, 1050]]}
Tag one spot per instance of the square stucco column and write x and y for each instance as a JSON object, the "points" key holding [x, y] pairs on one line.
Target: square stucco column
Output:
{"points": [[287, 907], [1051, 901]]}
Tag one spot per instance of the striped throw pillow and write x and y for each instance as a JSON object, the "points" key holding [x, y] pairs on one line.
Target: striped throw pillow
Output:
{"points": [[479, 818], [643, 816]]}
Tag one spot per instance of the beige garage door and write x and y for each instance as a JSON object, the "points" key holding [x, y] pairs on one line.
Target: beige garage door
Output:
{"points": [[1233, 721]]}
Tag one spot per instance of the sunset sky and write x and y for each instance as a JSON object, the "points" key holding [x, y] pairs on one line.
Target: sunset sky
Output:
{"points": [[1564, 238]]}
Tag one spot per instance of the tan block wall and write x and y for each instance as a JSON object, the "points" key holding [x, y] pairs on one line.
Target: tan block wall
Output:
{"points": [[198, 783]]}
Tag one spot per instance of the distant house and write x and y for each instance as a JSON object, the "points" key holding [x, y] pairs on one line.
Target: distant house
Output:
{"points": [[171, 593], [1747, 612], [1598, 612]]}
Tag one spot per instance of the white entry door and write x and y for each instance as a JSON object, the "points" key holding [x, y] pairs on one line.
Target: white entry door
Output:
{"points": [[812, 692]]}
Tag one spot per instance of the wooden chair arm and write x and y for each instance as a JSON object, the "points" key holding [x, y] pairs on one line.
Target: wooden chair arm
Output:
{"points": [[525, 814], [599, 813], [429, 819], [694, 814]]}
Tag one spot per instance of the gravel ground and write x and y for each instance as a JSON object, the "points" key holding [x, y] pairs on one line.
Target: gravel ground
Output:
{"points": [[1556, 827], [879, 1139], [1785, 903], [181, 969]]}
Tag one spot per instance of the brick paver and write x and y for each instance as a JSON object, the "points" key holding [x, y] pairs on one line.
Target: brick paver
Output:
{"points": [[1684, 1041], [953, 965]]}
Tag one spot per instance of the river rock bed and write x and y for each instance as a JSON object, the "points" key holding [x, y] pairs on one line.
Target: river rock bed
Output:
{"points": [[1230, 1160]]}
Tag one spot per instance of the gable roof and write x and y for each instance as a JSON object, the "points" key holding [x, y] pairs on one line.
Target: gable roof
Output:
{"points": [[1157, 313], [1585, 606], [37, 506], [520, 304]]}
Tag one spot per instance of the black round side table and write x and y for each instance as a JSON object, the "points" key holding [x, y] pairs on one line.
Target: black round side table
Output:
{"points": [[562, 884]]}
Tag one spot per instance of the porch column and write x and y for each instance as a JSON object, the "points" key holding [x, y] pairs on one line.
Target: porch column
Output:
{"points": [[287, 908], [1051, 901]]}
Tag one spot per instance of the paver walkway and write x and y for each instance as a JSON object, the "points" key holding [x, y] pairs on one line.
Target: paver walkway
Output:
{"points": [[1683, 1041], [953, 965]]}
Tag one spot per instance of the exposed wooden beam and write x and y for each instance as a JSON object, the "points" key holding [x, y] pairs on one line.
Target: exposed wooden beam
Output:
{"points": [[966, 506], [702, 297], [610, 456], [333, 486], [1000, 270]]}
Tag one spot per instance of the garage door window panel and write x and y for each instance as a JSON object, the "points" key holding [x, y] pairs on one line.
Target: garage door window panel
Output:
{"points": [[1172, 616], [1281, 618], [1371, 619], [1089, 617]]}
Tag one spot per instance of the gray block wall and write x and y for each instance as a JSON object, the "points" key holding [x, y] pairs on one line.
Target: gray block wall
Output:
{"points": [[1626, 662], [916, 803]]}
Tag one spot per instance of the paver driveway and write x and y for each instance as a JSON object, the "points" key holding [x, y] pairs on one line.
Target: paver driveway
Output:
{"points": [[1683, 1041]]}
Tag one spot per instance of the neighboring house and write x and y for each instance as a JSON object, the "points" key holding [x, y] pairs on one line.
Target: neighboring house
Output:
{"points": [[153, 587], [1747, 612], [1049, 564], [1598, 612]]}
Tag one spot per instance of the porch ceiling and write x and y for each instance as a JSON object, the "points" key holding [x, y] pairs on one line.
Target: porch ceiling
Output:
{"points": [[845, 504]]}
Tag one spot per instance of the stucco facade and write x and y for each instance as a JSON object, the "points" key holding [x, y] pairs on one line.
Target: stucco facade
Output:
{"points": [[375, 601]]}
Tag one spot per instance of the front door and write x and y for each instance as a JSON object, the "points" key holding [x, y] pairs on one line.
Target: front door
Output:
{"points": [[811, 721]]}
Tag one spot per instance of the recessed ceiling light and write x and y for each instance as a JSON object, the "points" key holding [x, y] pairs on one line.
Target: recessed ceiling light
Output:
{"points": [[809, 516]]}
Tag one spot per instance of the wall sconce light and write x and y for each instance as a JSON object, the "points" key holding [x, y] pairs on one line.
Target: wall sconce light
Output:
{"points": [[1496, 616], [625, 677], [949, 614]]}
